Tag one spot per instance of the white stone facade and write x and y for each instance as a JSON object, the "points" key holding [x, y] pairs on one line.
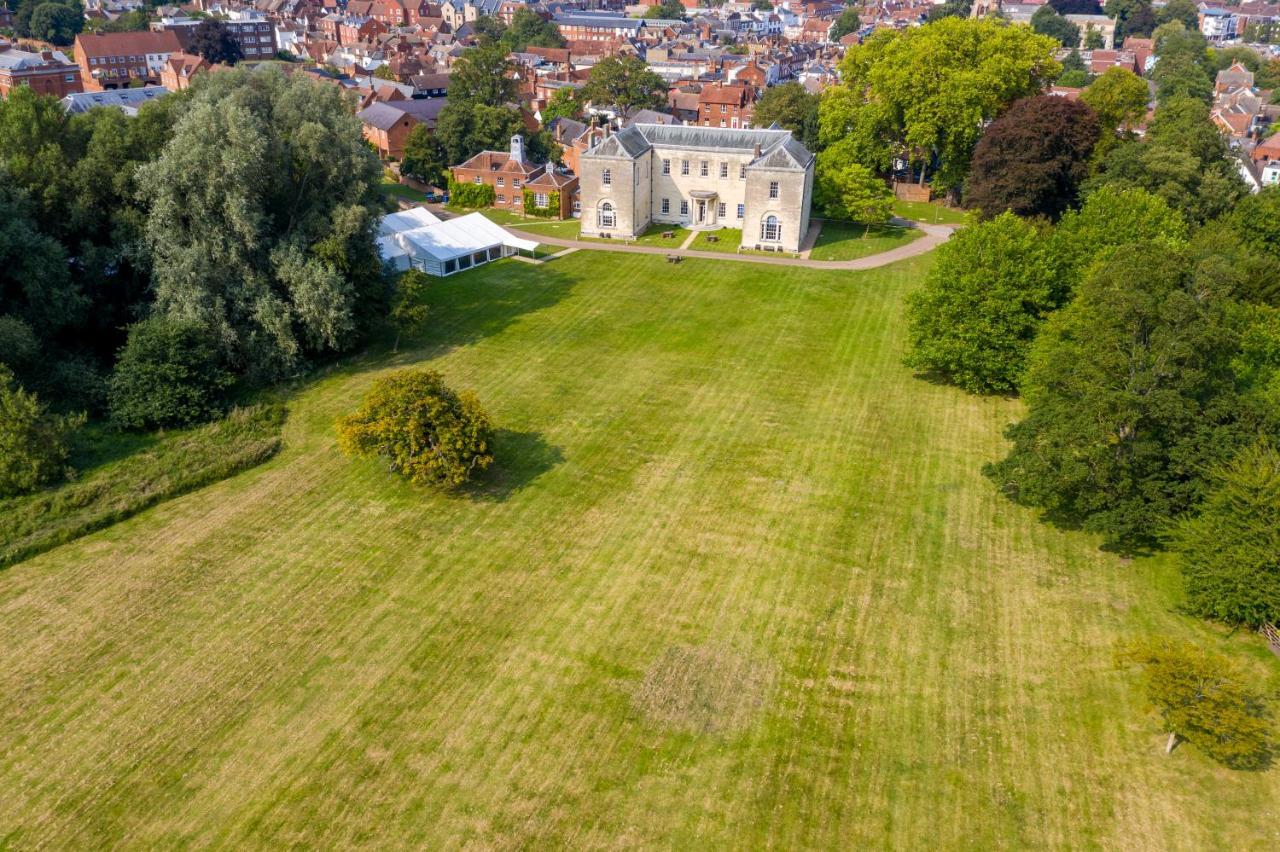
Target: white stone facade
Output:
{"points": [[759, 181]]}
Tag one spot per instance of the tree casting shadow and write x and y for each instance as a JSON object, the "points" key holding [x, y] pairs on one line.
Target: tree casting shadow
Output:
{"points": [[518, 459]]}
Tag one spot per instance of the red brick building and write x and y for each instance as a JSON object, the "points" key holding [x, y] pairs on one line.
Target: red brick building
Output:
{"points": [[725, 106], [510, 174], [48, 72], [114, 60]]}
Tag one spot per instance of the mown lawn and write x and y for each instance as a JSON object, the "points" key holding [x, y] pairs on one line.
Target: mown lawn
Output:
{"points": [[735, 581], [849, 240], [930, 211]]}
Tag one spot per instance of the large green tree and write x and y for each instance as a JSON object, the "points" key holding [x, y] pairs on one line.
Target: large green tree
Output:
{"points": [[924, 94], [169, 373], [982, 303], [262, 215], [1183, 11], [625, 82], [847, 22], [56, 22], [482, 75], [563, 103], [465, 129], [529, 29], [1047, 21], [1183, 159], [425, 158], [790, 106], [1130, 396], [1229, 552], [35, 280], [1032, 158], [1110, 218], [1119, 97]]}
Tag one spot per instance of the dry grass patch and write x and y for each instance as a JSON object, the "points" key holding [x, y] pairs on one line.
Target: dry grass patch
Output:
{"points": [[705, 689]]}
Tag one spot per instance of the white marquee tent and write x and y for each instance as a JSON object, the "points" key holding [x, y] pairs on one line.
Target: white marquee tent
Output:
{"points": [[419, 239]]}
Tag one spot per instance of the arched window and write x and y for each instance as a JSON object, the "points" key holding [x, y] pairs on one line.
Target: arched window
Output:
{"points": [[771, 229], [606, 177], [607, 219]]}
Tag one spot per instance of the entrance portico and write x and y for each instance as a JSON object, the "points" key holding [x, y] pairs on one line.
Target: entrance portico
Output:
{"points": [[704, 209]]}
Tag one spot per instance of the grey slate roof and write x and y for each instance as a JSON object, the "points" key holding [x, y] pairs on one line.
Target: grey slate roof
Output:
{"points": [[127, 100], [381, 115], [778, 149]]}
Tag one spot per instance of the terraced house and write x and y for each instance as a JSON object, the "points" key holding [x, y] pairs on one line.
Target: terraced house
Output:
{"points": [[703, 178]]}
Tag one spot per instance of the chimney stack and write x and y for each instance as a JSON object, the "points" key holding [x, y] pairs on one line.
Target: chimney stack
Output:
{"points": [[756, 155]]}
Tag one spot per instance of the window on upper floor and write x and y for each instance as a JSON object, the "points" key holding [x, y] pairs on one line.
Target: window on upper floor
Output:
{"points": [[724, 170], [606, 178], [703, 168], [666, 167], [684, 167], [773, 189], [742, 171]]}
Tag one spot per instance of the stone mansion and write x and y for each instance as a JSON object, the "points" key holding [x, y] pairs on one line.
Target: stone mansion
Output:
{"points": [[701, 177]]}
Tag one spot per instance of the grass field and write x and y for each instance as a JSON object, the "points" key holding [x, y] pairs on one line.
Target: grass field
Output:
{"points": [[849, 241], [735, 581], [929, 211]]}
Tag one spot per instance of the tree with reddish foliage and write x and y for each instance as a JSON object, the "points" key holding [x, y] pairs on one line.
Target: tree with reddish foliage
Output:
{"points": [[1032, 158]]}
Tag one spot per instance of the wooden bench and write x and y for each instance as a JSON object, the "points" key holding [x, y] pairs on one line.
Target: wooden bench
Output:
{"points": [[666, 235], [673, 258], [712, 238]]}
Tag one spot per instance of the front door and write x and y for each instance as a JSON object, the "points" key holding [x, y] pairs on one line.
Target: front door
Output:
{"points": [[702, 211]]}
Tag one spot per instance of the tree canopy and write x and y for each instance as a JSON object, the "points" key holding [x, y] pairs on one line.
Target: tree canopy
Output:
{"points": [[1229, 552], [424, 157], [1047, 21], [791, 106], [1130, 397], [625, 82], [923, 94], [1119, 97], [847, 22], [56, 22], [982, 303], [482, 75], [1183, 159], [1206, 700], [422, 429], [213, 41], [33, 442], [170, 373], [263, 208], [1032, 158]]}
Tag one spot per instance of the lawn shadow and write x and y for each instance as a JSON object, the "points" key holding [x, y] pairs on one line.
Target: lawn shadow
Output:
{"points": [[471, 306], [462, 309], [519, 458]]}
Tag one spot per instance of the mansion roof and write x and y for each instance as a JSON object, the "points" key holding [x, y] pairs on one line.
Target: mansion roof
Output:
{"points": [[773, 149]]}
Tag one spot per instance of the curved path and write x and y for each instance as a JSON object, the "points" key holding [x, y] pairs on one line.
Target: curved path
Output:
{"points": [[934, 235]]}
